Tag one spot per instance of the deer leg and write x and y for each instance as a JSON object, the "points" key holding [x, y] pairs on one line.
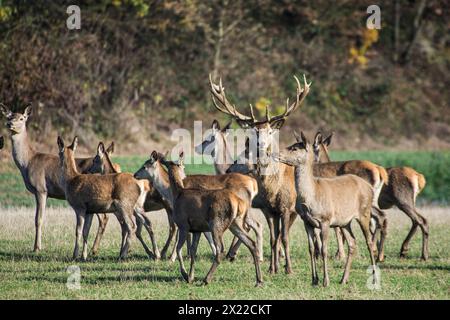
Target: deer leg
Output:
{"points": [[237, 229], [41, 202], [382, 222], [317, 243], [217, 236], [149, 228], [234, 247], [78, 231], [310, 233], [172, 234], [273, 241], [209, 237], [340, 253], [139, 224], [173, 255], [364, 223], [324, 230], [102, 222], [285, 225], [258, 228], [417, 221], [130, 232], [351, 243], [86, 229], [182, 236], [195, 240]]}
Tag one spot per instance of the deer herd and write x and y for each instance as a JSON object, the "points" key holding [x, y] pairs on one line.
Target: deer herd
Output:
{"points": [[300, 180]]}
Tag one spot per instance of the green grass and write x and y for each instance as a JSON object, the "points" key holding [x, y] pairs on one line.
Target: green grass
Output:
{"points": [[25, 275], [434, 165]]}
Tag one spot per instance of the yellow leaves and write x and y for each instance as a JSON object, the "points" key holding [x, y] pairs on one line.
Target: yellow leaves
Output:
{"points": [[5, 13], [358, 55], [261, 104], [116, 3], [139, 5]]}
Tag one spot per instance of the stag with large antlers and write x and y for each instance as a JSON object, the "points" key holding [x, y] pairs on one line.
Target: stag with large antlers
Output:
{"points": [[277, 195]]}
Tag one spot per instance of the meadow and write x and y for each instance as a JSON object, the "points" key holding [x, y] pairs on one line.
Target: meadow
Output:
{"points": [[26, 275]]}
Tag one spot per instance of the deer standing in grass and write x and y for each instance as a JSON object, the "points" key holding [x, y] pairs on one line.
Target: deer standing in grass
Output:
{"points": [[329, 202], [374, 174], [102, 164], [40, 171], [199, 210], [244, 187], [117, 193], [277, 195], [217, 144], [404, 185]]}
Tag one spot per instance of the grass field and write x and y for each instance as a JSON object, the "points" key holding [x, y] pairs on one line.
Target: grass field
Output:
{"points": [[24, 274]]}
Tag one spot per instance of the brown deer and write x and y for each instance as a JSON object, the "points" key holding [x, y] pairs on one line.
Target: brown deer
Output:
{"points": [[102, 164], [216, 143], [244, 186], [276, 197], [404, 185], [328, 202], [117, 193], [199, 210], [374, 174], [40, 171]]}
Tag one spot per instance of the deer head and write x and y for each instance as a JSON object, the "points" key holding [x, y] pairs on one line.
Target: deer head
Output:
{"points": [[217, 135], [320, 147], [267, 128], [16, 122], [298, 153], [176, 168], [148, 169], [67, 155], [102, 160]]}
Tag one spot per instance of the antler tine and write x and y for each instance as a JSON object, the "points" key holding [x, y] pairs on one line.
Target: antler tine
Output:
{"points": [[252, 113], [301, 94], [218, 92], [267, 113]]}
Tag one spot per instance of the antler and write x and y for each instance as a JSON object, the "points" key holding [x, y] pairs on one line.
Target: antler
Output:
{"points": [[301, 94], [218, 92]]}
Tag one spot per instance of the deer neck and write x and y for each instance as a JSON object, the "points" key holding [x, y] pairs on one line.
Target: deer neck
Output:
{"points": [[222, 156], [70, 170], [305, 183], [21, 149], [176, 183], [162, 184]]}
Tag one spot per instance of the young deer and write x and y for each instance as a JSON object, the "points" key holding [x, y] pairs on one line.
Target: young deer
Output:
{"points": [[203, 210], [404, 185], [245, 187], [217, 144], [276, 197], [323, 203], [374, 174], [102, 164], [40, 171], [118, 193]]}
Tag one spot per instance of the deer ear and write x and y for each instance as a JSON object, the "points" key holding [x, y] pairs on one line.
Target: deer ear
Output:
{"points": [[215, 125], [74, 144], [27, 111], [154, 155], [60, 144], [110, 149], [304, 140], [5, 111], [101, 149], [327, 140], [181, 155], [227, 127], [277, 124], [297, 136], [318, 138]]}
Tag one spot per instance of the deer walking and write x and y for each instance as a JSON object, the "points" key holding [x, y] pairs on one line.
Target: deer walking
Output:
{"points": [[203, 210], [40, 171], [323, 203], [118, 193], [277, 195], [404, 186], [245, 187]]}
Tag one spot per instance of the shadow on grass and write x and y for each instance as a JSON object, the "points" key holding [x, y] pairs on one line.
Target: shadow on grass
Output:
{"points": [[106, 279]]}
